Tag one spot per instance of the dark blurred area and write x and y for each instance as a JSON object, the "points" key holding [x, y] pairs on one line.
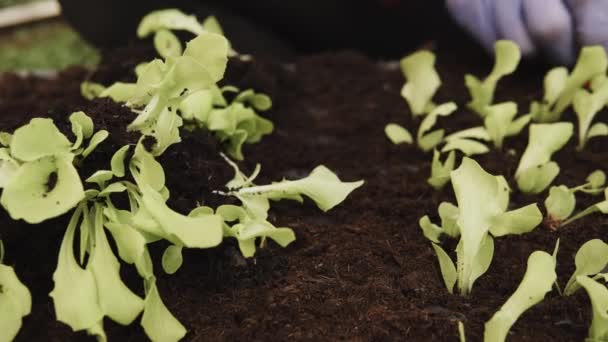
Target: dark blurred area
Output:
{"points": [[284, 28]]}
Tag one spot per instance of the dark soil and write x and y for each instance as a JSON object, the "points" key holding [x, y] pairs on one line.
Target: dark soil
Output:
{"points": [[362, 272]]}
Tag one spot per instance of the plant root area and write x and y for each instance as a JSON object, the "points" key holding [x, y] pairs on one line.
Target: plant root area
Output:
{"points": [[361, 272]]}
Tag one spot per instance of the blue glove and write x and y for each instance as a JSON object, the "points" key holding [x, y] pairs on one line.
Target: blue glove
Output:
{"points": [[556, 28]]}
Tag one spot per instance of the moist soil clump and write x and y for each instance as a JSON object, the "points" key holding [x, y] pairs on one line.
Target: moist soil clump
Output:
{"points": [[363, 271]]}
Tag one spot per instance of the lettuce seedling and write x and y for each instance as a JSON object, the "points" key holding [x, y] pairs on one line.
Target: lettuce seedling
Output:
{"points": [[428, 141], [537, 282], [601, 207], [507, 57], [248, 222], [15, 301], [37, 169], [425, 140], [590, 260], [561, 87], [587, 105], [449, 215], [398, 134], [482, 213], [536, 171], [181, 90], [598, 294], [467, 142], [440, 172], [500, 122], [561, 200], [422, 81]]}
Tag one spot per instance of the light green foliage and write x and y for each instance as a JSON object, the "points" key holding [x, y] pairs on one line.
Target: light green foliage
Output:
{"points": [[500, 122], [590, 260], [561, 87], [601, 207], [561, 202], [428, 141], [181, 90], [422, 81], [448, 213], [482, 212], [15, 302], [37, 168], [598, 294], [507, 56], [536, 171], [250, 220], [587, 105], [537, 282], [466, 141], [398, 134], [157, 321], [440, 172]]}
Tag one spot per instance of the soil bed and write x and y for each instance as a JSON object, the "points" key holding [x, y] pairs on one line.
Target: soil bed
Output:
{"points": [[362, 272]]}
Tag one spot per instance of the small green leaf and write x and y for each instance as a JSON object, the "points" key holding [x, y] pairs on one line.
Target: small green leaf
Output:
{"points": [[428, 141], [440, 172], [598, 294], [15, 303], [75, 292], [560, 203], [507, 56], [430, 230], [519, 221], [422, 81], [167, 44], [448, 270], [168, 19], [398, 134], [158, 323], [116, 300], [466, 146], [536, 179], [38, 139], [590, 259], [537, 282], [145, 169], [322, 186], [84, 121], [192, 232], [449, 216], [118, 161], [172, 259], [96, 139], [596, 179], [498, 120], [120, 92], [91, 90], [43, 189]]}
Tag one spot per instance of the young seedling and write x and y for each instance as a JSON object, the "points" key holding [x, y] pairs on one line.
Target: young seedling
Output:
{"points": [[422, 81], [536, 171], [598, 294], [590, 260], [500, 122], [448, 213], [15, 301], [37, 169], [537, 282], [507, 56], [181, 90], [587, 105], [601, 207], [440, 172], [561, 200], [482, 200], [561, 87], [466, 141], [426, 141]]}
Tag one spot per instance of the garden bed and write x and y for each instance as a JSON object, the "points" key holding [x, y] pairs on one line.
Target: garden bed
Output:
{"points": [[361, 272]]}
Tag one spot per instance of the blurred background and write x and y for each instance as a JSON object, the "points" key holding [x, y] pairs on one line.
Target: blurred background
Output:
{"points": [[33, 36]]}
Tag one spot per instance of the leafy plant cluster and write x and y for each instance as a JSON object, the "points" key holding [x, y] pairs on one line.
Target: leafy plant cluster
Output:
{"points": [[180, 90], [482, 211], [127, 203]]}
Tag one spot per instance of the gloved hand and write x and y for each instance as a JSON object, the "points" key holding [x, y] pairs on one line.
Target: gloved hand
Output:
{"points": [[556, 28]]}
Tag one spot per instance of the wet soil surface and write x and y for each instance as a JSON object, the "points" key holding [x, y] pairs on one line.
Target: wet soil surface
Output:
{"points": [[363, 271]]}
